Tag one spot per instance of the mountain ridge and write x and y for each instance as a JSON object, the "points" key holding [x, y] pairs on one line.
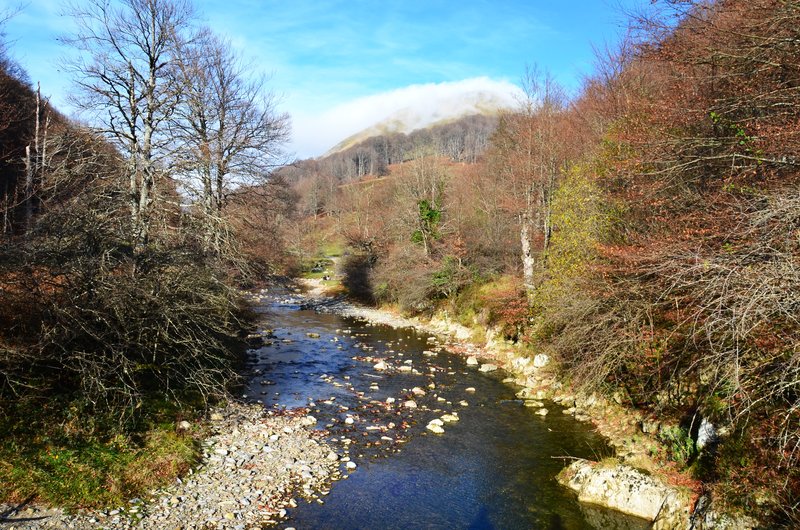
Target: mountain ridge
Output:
{"points": [[437, 111]]}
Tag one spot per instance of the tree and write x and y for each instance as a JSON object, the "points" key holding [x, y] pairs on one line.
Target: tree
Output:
{"points": [[420, 192], [227, 127], [529, 155], [126, 81]]}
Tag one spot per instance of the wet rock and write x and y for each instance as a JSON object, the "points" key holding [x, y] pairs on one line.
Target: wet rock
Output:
{"points": [[470, 389], [488, 367], [436, 429], [380, 366], [472, 361], [542, 411], [410, 404]]}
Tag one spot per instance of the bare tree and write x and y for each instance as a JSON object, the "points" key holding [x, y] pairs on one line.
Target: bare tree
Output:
{"points": [[529, 156], [229, 130], [125, 76]]}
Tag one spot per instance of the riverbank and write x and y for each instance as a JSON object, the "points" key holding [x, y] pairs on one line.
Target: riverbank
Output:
{"points": [[639, 456], [252, 465]]}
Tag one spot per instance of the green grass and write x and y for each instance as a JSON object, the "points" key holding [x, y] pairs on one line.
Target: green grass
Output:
{"points": [[317, 268], [62, 463], [332, 249]]}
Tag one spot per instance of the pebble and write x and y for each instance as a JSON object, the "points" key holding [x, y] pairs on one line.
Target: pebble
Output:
{"points": [[435, 428], [231, 486]]}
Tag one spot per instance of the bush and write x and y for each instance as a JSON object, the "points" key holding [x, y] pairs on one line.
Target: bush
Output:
{"points": [[102, 328]]}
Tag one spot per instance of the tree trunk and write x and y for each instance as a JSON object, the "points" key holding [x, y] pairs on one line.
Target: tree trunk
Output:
{"points": [[527, 255]]}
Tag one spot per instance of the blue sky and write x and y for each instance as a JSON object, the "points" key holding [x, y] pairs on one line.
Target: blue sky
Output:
{"points": [[325, 56]]}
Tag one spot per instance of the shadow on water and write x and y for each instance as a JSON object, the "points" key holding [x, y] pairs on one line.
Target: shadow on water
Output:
{"points": [[492, 469]]}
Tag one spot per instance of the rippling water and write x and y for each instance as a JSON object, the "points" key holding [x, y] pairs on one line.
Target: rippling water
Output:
{"points": [[493, 469]]}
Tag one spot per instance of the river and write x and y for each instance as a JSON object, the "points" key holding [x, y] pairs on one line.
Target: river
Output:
{"points": [[493, 468]]}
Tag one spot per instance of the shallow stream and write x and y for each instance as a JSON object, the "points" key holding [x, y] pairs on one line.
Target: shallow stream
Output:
{"points": [[493, 468]]}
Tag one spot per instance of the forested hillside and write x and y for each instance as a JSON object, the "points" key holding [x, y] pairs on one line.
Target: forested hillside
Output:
{"points": [[644, 233], [120, 249], [463, 140]]}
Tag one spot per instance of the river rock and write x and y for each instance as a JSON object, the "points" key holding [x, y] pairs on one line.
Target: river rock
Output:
{"points": [[541, 360], [627, 490], [542, 411], [435, 426], [470, 389], [380, 366], [488, 367], [706, 434], [472, 361], [410, 404]]}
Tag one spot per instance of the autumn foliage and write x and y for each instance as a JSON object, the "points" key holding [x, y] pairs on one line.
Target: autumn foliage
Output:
{"points": [[652, 224]]}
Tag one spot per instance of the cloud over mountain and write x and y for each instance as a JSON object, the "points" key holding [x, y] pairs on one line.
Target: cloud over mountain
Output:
{"points": [[401, 110]]}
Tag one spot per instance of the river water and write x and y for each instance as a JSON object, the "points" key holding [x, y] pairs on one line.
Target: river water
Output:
{"points": [[494, 468]]}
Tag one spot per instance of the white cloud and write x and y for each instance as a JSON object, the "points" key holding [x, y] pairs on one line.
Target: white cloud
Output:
{"points": [[313, 134]]}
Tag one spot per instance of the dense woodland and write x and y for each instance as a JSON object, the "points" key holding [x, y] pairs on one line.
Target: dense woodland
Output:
{"points": [[644, 232]]}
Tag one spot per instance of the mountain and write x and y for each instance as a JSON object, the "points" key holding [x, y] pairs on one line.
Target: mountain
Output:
{"points": [[439, 109]]}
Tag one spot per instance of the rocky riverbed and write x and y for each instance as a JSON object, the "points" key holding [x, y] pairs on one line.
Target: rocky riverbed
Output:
{"points": [[253, 466], [631, 435]]}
